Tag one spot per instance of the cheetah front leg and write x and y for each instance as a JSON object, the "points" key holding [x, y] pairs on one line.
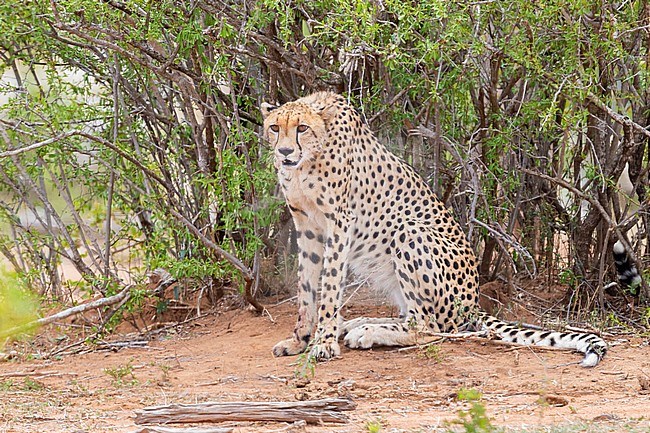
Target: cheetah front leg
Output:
{"points": [[335, 263], [310, 266]]}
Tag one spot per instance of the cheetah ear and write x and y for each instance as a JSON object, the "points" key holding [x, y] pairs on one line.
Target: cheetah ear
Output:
{"points": [[266, 109], [328, 113]]}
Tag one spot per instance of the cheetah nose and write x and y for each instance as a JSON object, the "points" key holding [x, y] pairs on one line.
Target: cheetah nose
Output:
{"points": [[286, 151]]}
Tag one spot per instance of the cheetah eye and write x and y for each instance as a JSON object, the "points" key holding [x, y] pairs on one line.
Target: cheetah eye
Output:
{"points": [[274, 128], [302, 128]]}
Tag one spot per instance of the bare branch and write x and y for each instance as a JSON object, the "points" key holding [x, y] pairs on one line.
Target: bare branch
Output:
{"points": [[38, 145]]}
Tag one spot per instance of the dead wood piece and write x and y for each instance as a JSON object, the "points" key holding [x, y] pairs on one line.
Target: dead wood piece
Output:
{"points": [[35, 374], [121, 344], [159, 280], [313, 412], [156, 429], [553, 400]]}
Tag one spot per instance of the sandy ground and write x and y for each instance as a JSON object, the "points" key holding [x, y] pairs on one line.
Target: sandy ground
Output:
{"points": [[227, 357]]}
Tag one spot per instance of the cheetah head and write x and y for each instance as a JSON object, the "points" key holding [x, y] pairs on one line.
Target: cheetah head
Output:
{"points": [[296, 131]]}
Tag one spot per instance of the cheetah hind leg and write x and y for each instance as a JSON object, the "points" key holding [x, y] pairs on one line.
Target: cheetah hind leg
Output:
{"points": [[368, 335], [349, 325], [416, 278]]}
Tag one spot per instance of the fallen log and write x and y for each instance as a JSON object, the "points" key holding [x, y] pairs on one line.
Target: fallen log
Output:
{"points": [[313, 412]]}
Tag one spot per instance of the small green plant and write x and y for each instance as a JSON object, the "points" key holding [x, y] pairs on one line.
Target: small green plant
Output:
{"points": [[568, 277], [374, 426], [634, 288], [6, 385], [164, 368], [412, 323], [612, 320], [30, 384], [120, 373], [474, 420], [432, 352], [306, 366], [79, 387]]}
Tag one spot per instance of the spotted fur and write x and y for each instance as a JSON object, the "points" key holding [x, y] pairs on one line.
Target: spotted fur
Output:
{"points": [[359, 208]]}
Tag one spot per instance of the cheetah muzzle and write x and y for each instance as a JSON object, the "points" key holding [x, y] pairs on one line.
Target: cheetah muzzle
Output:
{"points": [[358, 208]]}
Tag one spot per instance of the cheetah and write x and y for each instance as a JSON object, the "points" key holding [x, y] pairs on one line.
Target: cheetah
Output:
{"points": [[359, 208]]}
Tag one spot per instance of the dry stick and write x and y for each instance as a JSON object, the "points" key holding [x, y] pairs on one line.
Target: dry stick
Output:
{"points": [[481, 336], [35, 374], [156, 429], [504, 237], [63, 349], [592, 201], [111, 182], [124, 294], [601, 275], [389, 104], [313, 412], [38, 145], [431, 338], [618, 118]]}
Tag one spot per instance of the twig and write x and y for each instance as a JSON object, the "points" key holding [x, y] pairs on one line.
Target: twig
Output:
{"points": [[158, 429], [476, 336], [65, 348], [268, 313], [35, 374], [517, 346], [293, 298], [503, 237], [618, 118], [111, 182], [439, 336], [130, 344], [389, 104], [38, 145], [592, 201]]}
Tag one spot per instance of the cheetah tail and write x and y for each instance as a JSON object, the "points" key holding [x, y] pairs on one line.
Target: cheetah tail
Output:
{"points": [[591, 345], [628, 276]]}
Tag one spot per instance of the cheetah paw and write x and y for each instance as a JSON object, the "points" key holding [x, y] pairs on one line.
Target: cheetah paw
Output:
{"points": [[359, 337], [349, 325], [289, 347], [325, 351]]}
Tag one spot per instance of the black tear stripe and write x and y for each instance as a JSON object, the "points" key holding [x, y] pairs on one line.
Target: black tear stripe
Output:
{"points": [[297, 135], [298, 143], [295, 209]]}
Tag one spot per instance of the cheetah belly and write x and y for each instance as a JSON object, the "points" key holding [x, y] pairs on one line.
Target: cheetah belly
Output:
{"points": [[375, 268]]}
